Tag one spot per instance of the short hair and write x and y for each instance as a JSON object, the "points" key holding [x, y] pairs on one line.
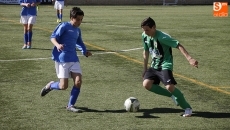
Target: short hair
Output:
{"points": [[75, 11], [148, 22]]}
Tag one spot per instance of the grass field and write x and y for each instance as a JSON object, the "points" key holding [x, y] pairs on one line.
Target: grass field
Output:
{"points": [[113, 73]]}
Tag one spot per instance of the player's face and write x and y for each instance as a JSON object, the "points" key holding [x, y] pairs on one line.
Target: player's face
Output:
{"points": [[149, 31], [77, 21]]}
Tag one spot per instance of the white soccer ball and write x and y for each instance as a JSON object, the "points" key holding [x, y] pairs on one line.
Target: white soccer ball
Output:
{"points": [[132, 104]]}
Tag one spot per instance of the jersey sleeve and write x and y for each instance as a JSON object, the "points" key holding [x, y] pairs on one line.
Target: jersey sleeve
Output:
{"points": [[80, 45], [144, 40], [168, 40], [58, 31]]}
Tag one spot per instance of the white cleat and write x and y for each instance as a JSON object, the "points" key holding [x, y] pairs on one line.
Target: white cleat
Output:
{"points": [[188, 112]]}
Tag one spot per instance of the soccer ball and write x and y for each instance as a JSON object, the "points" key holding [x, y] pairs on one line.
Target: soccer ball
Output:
{"points": [[132, 104]]}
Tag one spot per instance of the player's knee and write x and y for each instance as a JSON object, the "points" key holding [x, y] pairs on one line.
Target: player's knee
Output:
{"points": [[78, 83], [29, 29], [63, 86], [170, 87], [147, 85]]}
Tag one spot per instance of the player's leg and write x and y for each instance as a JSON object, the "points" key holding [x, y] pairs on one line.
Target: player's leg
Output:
{"points": [[57, 11], [77, 79], [180, 99], [170, 83], [56, 7], [30, 34], [61, 10], [60, 15], [24, 21], [31, 22], [63, 73], [151, 83], [25, 36]]}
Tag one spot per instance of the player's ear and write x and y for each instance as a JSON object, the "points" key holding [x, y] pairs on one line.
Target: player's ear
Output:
{"points": [[154, 27]]}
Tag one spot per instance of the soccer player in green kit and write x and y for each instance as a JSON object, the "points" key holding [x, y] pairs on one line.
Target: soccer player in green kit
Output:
{"points": [[159, 46]]}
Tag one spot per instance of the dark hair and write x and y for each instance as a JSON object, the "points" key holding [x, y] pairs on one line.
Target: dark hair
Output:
{"points": [[148, 22], [75, 11]]}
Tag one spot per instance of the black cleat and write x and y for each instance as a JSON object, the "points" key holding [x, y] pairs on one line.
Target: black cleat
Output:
{"points": [[46, 89]]}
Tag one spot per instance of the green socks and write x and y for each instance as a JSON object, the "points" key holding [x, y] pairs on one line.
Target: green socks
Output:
{"points": [[180, 99], [177, 93], [159, 90]]}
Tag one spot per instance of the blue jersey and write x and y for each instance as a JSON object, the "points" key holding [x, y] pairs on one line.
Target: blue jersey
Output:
{"points": [[60, 0], [29, 10], [70, 37]]}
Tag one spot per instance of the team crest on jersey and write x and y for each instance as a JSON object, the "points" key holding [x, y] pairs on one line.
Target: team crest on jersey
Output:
{"points": [[155, 44], [155, 53]]}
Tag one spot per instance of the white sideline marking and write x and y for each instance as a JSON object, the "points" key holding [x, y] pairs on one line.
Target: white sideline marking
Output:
{"points": [[109, 52], [120, 26]]}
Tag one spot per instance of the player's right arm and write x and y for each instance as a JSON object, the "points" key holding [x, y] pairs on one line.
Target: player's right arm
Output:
{"points": [[57, 33], [145, 60], [24, 4], [59, 46], [145, 56]]}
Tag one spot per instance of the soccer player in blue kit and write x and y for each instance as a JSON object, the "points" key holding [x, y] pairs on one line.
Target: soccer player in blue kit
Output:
{"points": [[28, 19], [59, 5], [66, 37]]}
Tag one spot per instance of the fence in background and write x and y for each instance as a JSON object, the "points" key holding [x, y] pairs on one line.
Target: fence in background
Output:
{"points": [[128, 2], [144, 2]]}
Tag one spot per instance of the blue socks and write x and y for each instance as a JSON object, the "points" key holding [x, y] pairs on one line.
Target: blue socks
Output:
{"points": [[60, 16], [73, 96], [30, 36], [55, 85], [25, 38]]}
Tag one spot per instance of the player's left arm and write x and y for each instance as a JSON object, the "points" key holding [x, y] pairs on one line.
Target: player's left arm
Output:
{"points": [[81, 46], [191, 60], [169, 41]]}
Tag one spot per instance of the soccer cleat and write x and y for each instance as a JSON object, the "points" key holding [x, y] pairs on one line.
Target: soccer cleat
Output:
{"points": [[188, 112], [60, 20], [46, 89], [24, 47], [57, 20], [73, 109], [28, 47], [174, 100]]}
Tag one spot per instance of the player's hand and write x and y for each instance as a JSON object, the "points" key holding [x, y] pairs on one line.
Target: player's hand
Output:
{"points": [[143, 74], [60, 47], [193, 62], [28, 5], [33, 4], [88, 54]]}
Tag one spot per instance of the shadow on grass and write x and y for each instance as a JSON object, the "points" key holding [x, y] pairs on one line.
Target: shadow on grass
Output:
{"points": [[211, 114], [147, 112]]}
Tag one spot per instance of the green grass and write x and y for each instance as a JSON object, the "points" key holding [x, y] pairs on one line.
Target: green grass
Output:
{"points": [[110, 78]]}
